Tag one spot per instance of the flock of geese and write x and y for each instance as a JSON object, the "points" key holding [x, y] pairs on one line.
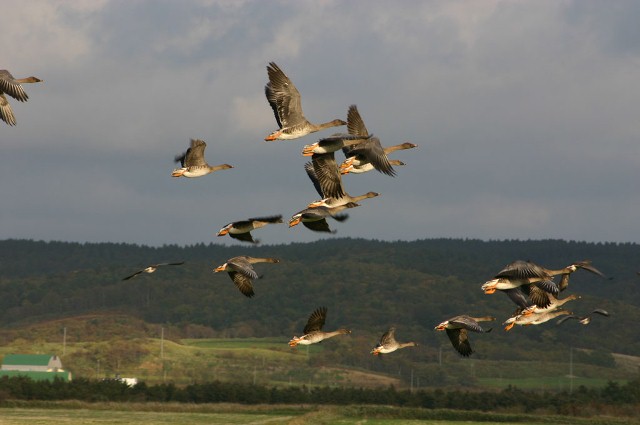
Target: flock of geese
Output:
{"points": [[530, 286]]}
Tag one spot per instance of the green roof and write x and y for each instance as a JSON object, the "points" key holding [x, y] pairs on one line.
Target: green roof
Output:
{"points": [[37, 376], [27, 359]]}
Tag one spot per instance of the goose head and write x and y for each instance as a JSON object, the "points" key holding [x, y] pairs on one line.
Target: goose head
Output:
{"points": [[225, 229]]}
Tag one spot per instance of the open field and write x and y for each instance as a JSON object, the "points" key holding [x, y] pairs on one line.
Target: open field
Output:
{"points": [[73, 413], [270, 361]]}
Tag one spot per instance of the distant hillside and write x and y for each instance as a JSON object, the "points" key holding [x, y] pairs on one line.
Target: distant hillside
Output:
{"points": [[367, 286]]}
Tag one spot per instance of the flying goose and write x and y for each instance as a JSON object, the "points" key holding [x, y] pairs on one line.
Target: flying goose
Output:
{"points": [[359, 163], [585, 320], [533, 280], [241, 230], [316, 218], [12, 87], [388, 343], [152, 268], [313, 333], [370, 149], [554, 303], [284, 99], [241, 271], [329, 179], [333, 143], [457, 329], [193, 163], [532, 319], [365, 167]]}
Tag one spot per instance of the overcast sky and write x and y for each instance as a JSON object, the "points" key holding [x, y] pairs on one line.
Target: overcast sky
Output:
{"points": [[526, 114]]}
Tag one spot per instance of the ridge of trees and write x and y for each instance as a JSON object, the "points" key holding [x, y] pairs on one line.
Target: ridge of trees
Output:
{"points": [[368, 285], [511, 399]]}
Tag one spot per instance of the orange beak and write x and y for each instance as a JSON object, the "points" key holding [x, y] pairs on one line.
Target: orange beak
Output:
{"points": [[294, 221], [223, 232], [219, 268], [273, 136]]}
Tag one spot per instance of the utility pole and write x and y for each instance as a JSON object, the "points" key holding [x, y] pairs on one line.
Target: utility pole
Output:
{"points": [[64, 341], [571, 370]]}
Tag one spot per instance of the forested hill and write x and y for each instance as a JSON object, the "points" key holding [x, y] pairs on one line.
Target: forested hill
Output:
{"points": [[367, 286]]}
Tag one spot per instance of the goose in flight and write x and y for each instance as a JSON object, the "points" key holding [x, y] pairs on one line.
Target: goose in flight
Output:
{"points": [[241, 271], [152, 268], [13, 87], [241, 230], [533, 319], [284, 99], [388, 343], [370, 149], [313, 333], [533, 280], [457, 330], [585, 320], [316, 218], [358, 164], [330, 182], [554, 303], [193, 164], [365, 167], [333, 143]]}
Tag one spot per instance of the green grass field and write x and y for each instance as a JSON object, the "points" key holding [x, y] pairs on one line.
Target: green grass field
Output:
{"points": [[270, 361], [546, 383], [74, 413]]}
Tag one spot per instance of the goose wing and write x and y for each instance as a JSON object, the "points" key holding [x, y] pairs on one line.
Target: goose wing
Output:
{"points": [[460, 341], [318, 226], [308, 167], [316, 320], [517, 296], [246, 237], [10, 86], [355, 124], [328, 174], [521, 270], [283, 97], [195, 154], [269, 219], [466, 322], [388, 338], [243, 283], [133, 275], [243, 266], [6, 113], [169, 264], [537, 295], [372, 151], [586, 265]]}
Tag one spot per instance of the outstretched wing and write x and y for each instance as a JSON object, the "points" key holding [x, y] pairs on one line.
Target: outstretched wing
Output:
{"points": [[243, 283], [460, 341], [283, 97], [316, 320], [318, 226], [246, 237], [388, 337], [328, 175]]}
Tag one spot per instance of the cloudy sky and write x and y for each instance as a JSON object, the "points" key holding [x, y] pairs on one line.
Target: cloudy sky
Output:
{"points": [[525, 113]]}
